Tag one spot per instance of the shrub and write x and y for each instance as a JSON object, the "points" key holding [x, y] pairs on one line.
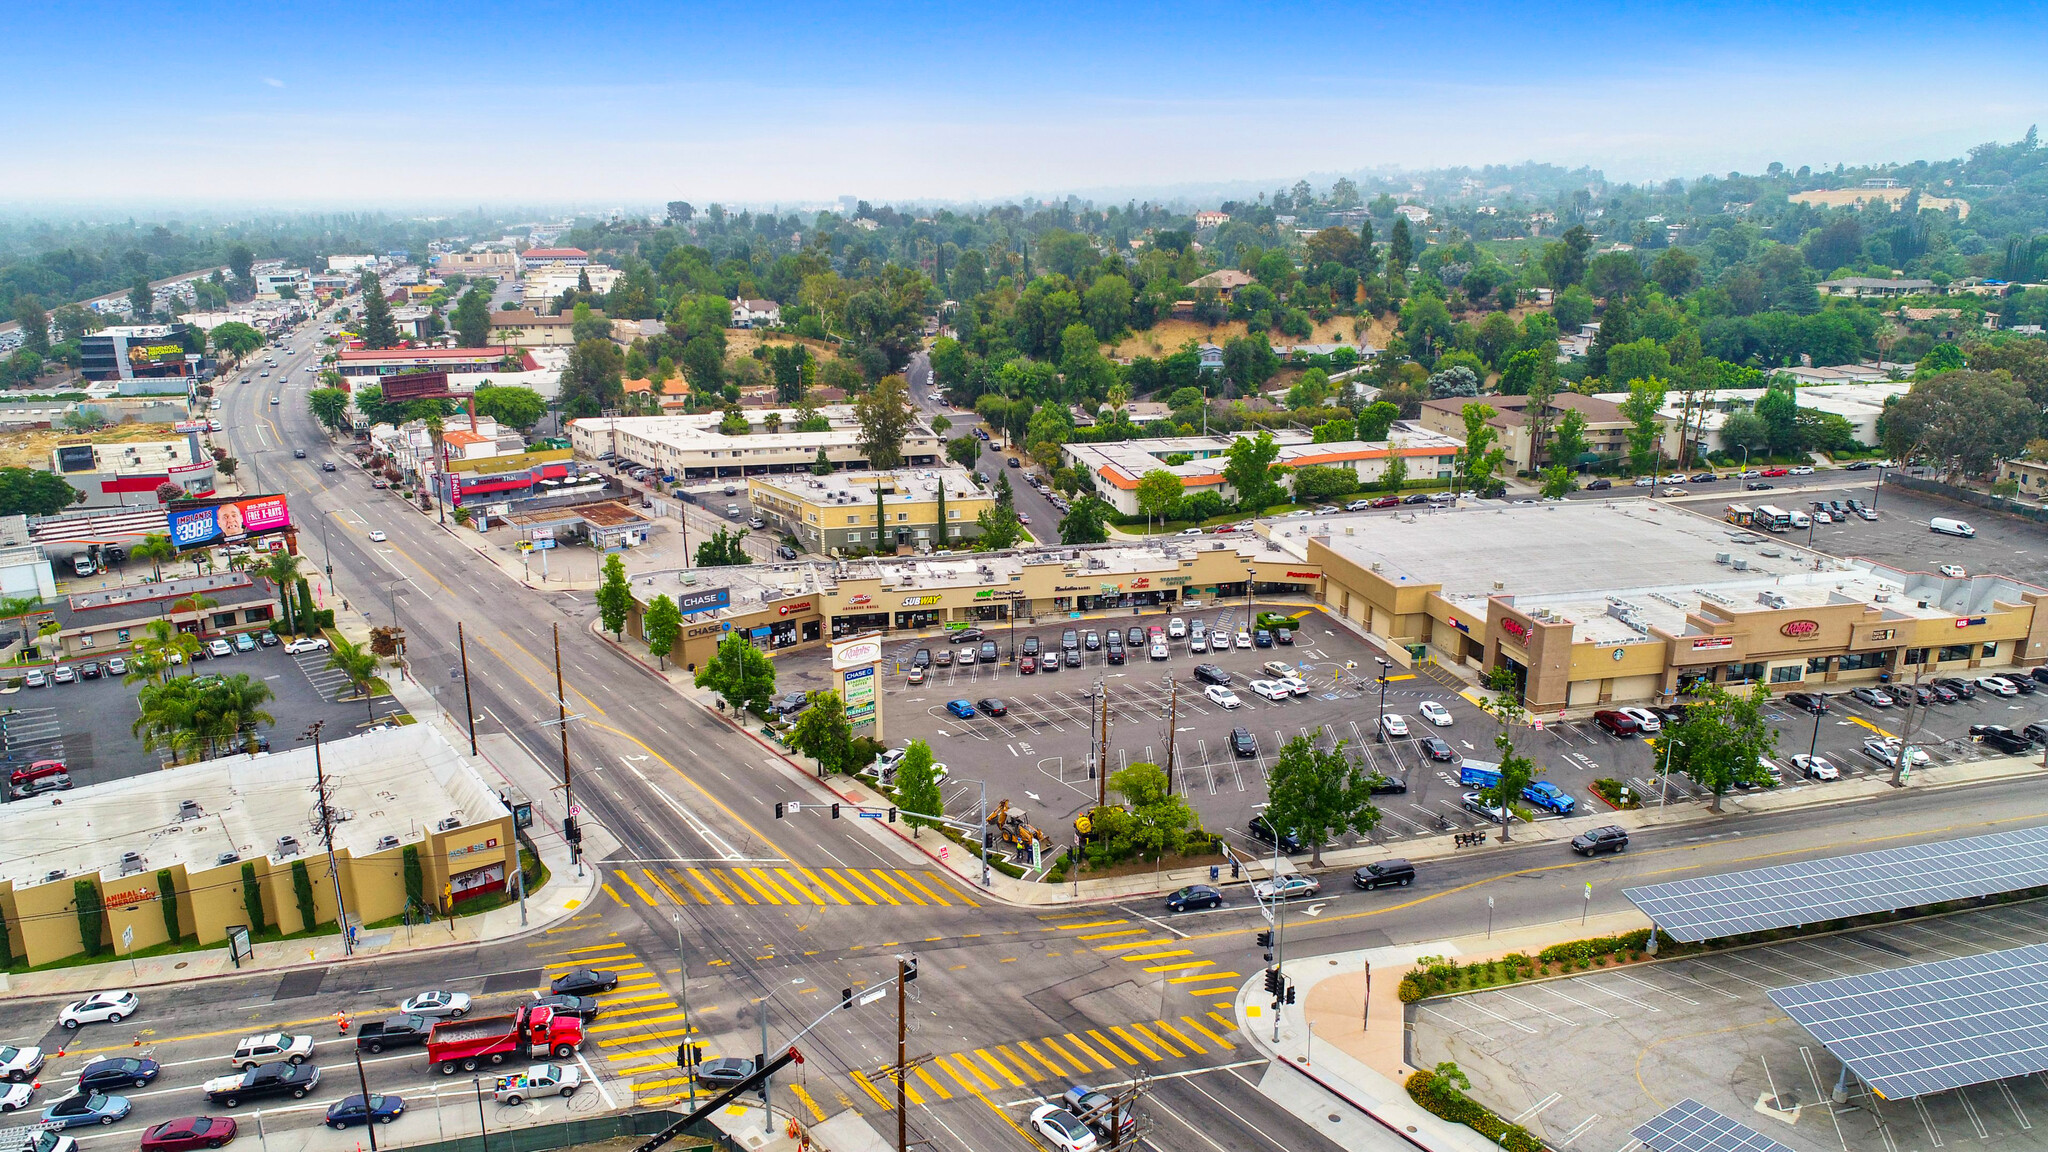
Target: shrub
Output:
{"points": [[302, 890], [91, 923], [252, 898], [1440, 1097], [167, 896]]}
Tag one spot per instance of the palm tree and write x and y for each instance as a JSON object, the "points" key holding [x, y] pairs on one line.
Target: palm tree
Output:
{"points": [[233, 707], [359, 664], [154, 651], [155, 548], [282, 569], [195, 603], [169, 719]]}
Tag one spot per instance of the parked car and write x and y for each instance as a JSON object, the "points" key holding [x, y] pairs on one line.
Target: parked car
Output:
{"points": [[1435, 713], [1384, 785], [994, 706], [1646, 720], [1269, 689], [1600, 485], [1616, 723], [1997, 686], [1815, 767], [916, 677], [1871, 696], [965, 635], [1436, 749], [90, 670], [1193, 897], [1261, 829], [65, 674], [1476, 804], [1211, 674], [1607, 838], [1885, 751], [1385, 873], [1393, 726], [2002, 738], [1959, 686], [307, 644], [1812, 702]]}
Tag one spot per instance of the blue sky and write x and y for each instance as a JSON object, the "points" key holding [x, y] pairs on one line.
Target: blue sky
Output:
{"points": [[630, 104]]}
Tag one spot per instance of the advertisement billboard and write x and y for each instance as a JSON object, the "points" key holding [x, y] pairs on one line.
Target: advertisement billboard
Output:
{"points": [[202, 525], [415, 386], [858, 692]]}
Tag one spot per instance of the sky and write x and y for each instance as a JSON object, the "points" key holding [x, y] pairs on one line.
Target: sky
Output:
{"points": [[628, 104]]}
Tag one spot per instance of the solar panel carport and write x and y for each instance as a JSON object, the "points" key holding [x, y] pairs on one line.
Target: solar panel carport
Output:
{"points": [[1911, 1031], [1816, 891], [1690, 1126]]}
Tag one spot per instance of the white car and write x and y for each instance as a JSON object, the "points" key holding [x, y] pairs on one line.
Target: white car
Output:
{"points": [[1956, 571], [1435, 713], [539, 1080], [1271, 690], [1476, 804], [219, 648], [1176, 629], [271, 1047], [1815, 767], [1244, 638], [1645, 481], [273, 399], [1823, 517], [1675, 478], [1286, 887], [1997, 686], [307, 644], [1220, 695], [1198, 643], [15, 1096], [453, 1005], [18, 1064], [377, 536], [1646, 720], [108, 1007], [1393, 726], [1294, 684], [1061, 1130], [1802, 470]]}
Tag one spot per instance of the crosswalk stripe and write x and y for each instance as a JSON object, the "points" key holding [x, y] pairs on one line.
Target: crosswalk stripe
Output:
{"points": [[1088, 924], [955, 1073], [1197, 1026], [614, 895], [684, 882], [877, 889], [850, 886], [1107, 935], [768, 878], [1069, 1057], [738, 888], [666, 1005], [885, 878], [1229, 1025], [1133, 944], [665, 1053], [614, 947], [646, 1036], [1134, 957], [608, 1001], [631, 1024], [822, 886], [1199, 976], [932, 1082], [1057, 1071], [627, 880], [1176, 967], [1018, 1062], [989, 1058], [667, 891], [816, 1112], [1227, 988], [1114, 1050], [936, 898], [747, 875], [969, 1067], [1134, 1042], [869, 1088], [790, 881], [1177, 1034], [957, 891], [713, 888], [623, 955]]}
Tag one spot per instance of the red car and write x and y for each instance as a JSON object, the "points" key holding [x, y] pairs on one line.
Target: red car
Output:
{"points": [[1386, 502], [1774, 472], [188, 1132], [1617, 723]]}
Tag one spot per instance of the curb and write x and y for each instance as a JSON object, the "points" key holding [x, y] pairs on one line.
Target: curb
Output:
{"points": [[1398, 1131]]}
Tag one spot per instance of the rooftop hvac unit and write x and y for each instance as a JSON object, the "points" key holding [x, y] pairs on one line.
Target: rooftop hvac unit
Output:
{"points": [[1772, 600], [1721, 557], [190, 810], [1500, 585], [449, 823], [1740, 564]]}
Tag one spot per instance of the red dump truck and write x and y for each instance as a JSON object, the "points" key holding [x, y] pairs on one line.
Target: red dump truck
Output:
{"points": [[532, 1032]]}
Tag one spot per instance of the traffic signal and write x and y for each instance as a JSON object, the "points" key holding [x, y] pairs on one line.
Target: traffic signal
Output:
{"points": [[778, 809], [571, 831], [1290, 993], [689, 1055], [1266, 939], [835, 811], [892, 815], [846, 998], [1235, 870], [1273, 981], [910, 970]]}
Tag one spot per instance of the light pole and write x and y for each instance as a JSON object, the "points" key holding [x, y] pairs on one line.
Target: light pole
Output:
{"points": [[483, 1127], [1745, 461], [683, 981], [1380, 727], [1251, 580], [1664, 781], [348, 943], [1878, 489], [1820, 705]]}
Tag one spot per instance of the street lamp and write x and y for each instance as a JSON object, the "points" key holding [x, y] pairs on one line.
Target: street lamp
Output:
{"points": [[1664, 781], [1879, 488], [1745, 461], [1251, 579], [1820, 705], [1386, 666]]}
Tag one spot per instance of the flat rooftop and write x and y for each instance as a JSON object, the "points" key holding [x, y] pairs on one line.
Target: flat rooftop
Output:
{"points": [[393, 782], [838, 487]]}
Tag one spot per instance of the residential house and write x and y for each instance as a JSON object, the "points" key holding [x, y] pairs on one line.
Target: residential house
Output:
{"points": [[524, 328], [1872, 288], [672, 397], [2030, 475], [1211, 219], [1606, 427], [756, 313], [1225, 281]]}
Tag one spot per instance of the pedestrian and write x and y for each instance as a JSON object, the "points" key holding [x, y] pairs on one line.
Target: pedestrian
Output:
{"points": [[341, 1021]]}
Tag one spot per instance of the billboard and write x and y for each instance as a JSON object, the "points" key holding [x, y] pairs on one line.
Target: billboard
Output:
{"points": [[415, 386], [202, 525]]}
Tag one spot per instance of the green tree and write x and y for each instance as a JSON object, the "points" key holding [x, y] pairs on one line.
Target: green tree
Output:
{"points": [[1559, 481], [1084, 522], [917, 787], [1676, 271], [591, 382], [1963, 421], [614, 597], [739, 672], [1564, 261], [1723, 740], [1516, 771], [1616, 328], [1158, 490], [1645, 425], [34, 492], [1394, 477], [1400, 250], [1319, 483], [822, 732], [1161, 820], [235, 339], [961, 450], [723, 550], [1480, 459], [1572, 309], [1943, 357], [1251, 470], [1106, 306], [35, 325], [302, 889], [1250, 362], [1317, 793], [822, 466], [252, 898], [330, 407], [585, 324], [1568, 439], [377, 329], [358, 665], [1778, 408], [885, 419], [662, 625], [1377, 419], [167, 900], [1333, 431], [282, 570], [514, 407], [472, 319], [1643, 359]]}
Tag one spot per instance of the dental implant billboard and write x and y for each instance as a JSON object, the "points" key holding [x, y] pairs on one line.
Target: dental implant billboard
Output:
{"points": [[202, 524]]}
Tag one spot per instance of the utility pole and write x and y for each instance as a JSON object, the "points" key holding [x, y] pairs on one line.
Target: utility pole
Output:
{"points": [[902, 1061], [348, 943], [468, 705], [568, 792], [1172, 708], [1102, 757], [369, 1113]]}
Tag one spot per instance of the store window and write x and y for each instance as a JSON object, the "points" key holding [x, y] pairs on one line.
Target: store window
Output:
{"points": [[1791, 673], [1988, 650], [1865, 661], [1916, 655], [1743, 673], [1953, 652], [1815, 666]]}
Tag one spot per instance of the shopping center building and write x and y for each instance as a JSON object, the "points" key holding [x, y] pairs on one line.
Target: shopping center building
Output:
{"points": [[1587, 603]]}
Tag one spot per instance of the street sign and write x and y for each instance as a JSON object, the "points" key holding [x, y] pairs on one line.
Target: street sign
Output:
{"points": [[872, 815], [127, 937], [575, 809], [796, 806], [543, 545], [873, 994]]}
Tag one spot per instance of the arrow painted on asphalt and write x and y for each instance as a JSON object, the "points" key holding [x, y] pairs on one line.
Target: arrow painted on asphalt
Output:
{"points": [[1315, 909]]}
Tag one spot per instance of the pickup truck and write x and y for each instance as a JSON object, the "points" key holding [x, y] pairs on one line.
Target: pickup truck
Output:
{"points": [[266, 1080], [539, 1080], [1542, 793], [530, 1032], [400, 1031]]}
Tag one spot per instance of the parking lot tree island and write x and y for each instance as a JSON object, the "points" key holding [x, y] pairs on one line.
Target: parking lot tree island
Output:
{"points": [[1723, 742], [1317, 793], [739, 672]]}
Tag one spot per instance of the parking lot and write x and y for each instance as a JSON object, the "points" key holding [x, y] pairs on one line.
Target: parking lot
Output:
{"points": [[87, 724], [1582, 1061]]}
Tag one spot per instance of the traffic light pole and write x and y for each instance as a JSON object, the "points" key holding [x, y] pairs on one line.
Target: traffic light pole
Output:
{"points": [[902, 1058]]}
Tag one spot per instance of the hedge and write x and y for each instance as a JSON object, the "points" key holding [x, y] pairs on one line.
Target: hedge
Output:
{"points": [[167, 897], [1437, 976], [252, 898], [91, 922], [1441, 1098]]}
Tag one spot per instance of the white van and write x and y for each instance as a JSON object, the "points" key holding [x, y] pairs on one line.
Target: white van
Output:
{"points": [[1949, 527], [1801, 519]]}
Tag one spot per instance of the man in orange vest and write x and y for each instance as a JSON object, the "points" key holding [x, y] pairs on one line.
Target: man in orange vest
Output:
{"points": [[341, 1021]]}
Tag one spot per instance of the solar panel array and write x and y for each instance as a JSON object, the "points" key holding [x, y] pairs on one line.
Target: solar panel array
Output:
{"points": [[1815, 891], [1931, 1027], [1690, 1126]]}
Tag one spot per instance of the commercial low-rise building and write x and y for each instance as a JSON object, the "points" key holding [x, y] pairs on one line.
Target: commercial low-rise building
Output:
{"points": [[454, 361], [524, 328], [1198, 461], [695, 448], [112, 474], [197, 845], [106, 621], [1606, 428], [873, 511], [542, 287], [498, 265], [129, 351]]}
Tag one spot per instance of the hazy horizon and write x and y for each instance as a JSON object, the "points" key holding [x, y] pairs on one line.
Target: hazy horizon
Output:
{"points": [[465, 105]]}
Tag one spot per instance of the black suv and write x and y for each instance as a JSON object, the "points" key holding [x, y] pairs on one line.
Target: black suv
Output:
{"points": [[1134, 636], [1211, 674], [1398, 873], [1115, 654], [1261, 830], [922, 658], [1243, 742], [1031, 645], [1812, 702], [1596, 840], [1069, 640], [1959, 686], [989, 653]]}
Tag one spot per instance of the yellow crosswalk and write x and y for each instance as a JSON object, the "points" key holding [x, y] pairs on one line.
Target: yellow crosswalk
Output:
{"points": [[792, 886]]}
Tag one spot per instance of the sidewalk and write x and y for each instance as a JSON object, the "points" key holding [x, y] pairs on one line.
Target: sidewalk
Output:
{"points": [[1354, 1045]]}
